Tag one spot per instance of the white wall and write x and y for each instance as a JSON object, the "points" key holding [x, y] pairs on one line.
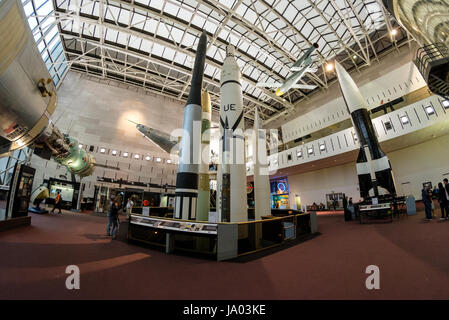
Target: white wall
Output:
{"points": [[96, 114], [345, 140], [428, 161], [387, 87]]}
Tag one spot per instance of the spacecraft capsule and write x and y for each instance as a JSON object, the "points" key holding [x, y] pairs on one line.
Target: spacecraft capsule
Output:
{"points": [[28, 97]]}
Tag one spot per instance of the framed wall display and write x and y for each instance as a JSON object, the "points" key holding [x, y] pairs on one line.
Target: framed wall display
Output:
{"points": [[427, 184]]}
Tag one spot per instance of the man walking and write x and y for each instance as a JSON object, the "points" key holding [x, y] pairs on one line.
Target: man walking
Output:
{"points": [[58, 202]]}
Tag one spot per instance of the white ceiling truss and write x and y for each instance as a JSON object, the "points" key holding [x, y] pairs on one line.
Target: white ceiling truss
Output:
{"points": [[152, 43]]}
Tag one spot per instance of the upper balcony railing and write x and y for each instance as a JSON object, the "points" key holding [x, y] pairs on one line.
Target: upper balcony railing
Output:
{"points": [[428, 56]]}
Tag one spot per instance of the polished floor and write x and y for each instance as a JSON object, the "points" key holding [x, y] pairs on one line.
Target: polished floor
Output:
{"points": [[413, 257]]}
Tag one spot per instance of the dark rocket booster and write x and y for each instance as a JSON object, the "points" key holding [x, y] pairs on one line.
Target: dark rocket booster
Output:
{"points": [[373, 167], [186, 192]]}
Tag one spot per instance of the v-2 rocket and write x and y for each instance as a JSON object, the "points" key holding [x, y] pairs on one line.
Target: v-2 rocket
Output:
{"points": [[373, 167]]}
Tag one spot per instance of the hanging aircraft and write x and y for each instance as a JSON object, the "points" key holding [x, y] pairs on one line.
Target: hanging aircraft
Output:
{"points": [[299, 68]]}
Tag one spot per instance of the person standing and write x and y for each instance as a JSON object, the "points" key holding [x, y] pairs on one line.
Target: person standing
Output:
{"points": [[347, 214], [58, 202], [427, 200], [129, 206], [112, 220], [446, 191], [442, 200]]}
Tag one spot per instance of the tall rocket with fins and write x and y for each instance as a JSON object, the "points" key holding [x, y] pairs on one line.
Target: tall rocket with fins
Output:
{"points": [[203, 204], [373, 167], [261, 172], [186, 191], [232, 144]]}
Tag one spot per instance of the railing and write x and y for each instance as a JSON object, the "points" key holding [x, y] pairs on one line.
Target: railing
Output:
{"points": [[428, 54]]}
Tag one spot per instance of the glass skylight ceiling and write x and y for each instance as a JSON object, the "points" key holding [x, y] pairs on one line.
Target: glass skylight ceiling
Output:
{"points": [[40, 15], [152, 43]]}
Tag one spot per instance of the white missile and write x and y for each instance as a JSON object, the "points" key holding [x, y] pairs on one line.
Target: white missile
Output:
{"points": [[232, 145], [203, 204], [261, 173]]}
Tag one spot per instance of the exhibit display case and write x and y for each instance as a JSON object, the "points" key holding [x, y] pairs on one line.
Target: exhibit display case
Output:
{"points": [[220, 241]]}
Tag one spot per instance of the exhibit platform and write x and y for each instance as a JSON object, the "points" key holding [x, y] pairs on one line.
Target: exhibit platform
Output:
{"points": [[220, 241]]}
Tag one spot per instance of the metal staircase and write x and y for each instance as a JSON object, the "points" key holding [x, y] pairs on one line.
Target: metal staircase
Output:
{"points": [[433, 63]]}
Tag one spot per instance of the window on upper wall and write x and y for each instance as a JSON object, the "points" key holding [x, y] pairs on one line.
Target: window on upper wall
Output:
{"points": [[310, 150], [430, 110], [404, 119], [388, 125], [445, 104]]}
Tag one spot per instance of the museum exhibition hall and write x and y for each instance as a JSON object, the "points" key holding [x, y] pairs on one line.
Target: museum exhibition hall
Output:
{"points": [[224, 150]]}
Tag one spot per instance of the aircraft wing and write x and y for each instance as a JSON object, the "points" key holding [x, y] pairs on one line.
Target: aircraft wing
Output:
{"points": [[303, 86], [310, 70], [269, 84]]}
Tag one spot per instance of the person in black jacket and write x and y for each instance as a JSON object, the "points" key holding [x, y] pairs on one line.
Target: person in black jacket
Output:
{"points": [[442, 200], [427, 200], [446, 189]]}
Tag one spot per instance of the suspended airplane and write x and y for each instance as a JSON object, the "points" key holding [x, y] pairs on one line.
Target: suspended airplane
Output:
{"points": [[299, 68]]}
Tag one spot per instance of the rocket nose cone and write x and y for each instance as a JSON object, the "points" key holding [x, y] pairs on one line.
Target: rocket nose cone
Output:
{"points": [[203, 36], [339, 69], [230, 50]]}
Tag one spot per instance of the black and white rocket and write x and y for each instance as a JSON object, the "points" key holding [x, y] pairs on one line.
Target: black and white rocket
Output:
{"points": [[373, 167], [186, 192]]}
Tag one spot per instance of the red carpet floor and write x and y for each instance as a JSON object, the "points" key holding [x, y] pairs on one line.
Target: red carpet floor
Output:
{"points": [[413, 258]]}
